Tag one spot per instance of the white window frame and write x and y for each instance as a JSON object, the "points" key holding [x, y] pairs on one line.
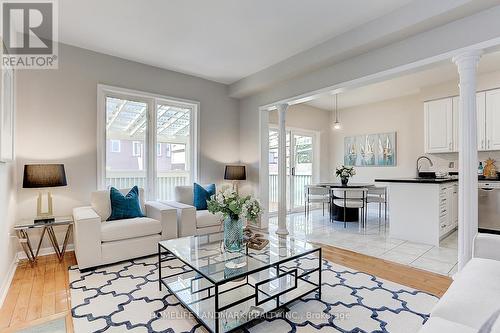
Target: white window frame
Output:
{"points": [[112, 143], [136, 148], [104, 91], [158, 149]]}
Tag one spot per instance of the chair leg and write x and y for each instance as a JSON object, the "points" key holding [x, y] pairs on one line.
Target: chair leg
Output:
{"points": [[379, 215], [323, 209]]}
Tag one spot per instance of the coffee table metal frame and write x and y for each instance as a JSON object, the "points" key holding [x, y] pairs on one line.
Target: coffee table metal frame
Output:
{"points": [[168, 256]]}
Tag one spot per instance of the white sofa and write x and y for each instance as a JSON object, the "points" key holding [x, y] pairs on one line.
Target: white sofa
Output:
{"points": [[474, 294], [100, 242], [189, 220]]}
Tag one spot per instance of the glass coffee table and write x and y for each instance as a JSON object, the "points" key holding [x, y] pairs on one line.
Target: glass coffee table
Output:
{"points": [[225, 290]]}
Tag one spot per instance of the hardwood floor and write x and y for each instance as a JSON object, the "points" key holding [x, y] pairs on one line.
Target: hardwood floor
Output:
{"points": [[38, 294], [41, 293]]}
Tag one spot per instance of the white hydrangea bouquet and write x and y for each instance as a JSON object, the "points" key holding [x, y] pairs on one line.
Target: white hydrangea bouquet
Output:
{"points": [[235, 209], [345, 173], [231, 205]]}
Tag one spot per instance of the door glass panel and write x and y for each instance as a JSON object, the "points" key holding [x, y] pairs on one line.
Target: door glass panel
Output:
{"points": [[303, 167], [173, 149], [126, 122], [273, 170]]}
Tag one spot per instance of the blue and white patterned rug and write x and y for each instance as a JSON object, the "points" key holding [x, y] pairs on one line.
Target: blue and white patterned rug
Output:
{"points": [[125, 298]]}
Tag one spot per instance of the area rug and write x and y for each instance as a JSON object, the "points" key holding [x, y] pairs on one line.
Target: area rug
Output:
{"points": [[53, 326], [125, 298]]}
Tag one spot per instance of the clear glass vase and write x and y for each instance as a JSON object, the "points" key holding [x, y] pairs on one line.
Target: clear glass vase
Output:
{"points": [[233, 234]]}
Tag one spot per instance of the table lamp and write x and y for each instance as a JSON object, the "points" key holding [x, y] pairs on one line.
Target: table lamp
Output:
{"points": [[235, 173], [41, 176]]}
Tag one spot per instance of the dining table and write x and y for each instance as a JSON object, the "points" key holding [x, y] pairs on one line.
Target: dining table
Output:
{"points": [[336, 212]]}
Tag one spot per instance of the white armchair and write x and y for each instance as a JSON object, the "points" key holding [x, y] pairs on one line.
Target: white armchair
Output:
{"points": [[100, 242], [189, 220]]}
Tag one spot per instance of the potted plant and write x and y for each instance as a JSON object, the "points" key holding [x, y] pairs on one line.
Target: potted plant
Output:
{"points": [[345, 173], [234, 208]]}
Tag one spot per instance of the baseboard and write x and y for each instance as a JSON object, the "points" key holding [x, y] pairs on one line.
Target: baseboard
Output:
{"points": [[4, 289], [44, 251]]}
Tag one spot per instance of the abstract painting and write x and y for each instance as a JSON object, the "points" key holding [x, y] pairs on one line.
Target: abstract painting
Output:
{"points": [[370, 150]]}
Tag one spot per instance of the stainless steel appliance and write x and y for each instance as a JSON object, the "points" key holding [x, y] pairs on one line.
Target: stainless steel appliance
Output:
{"points": [[489, 206]]}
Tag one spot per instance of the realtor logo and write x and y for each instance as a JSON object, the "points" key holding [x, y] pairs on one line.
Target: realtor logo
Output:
{"points": [[29, 34]]}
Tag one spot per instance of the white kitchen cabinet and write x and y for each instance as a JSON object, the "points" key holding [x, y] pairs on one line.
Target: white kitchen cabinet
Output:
{"points": [[493, 120], [438, 119], [481, 121]]}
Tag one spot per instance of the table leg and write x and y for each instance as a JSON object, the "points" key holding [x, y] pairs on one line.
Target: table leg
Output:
{"points": [[40, 242], [53, 240], [25, 242], [66, 240]]}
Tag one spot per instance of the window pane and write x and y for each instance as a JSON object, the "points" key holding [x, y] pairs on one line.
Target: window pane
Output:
{"points": [[173, 137], [125, 138]]}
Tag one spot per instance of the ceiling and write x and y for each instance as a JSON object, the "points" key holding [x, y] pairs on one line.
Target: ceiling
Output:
{"points": [[220, 40], [403, 85]]}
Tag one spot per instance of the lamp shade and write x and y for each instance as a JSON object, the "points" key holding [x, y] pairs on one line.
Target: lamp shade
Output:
{"points": [[235, 172], [44, 175]]}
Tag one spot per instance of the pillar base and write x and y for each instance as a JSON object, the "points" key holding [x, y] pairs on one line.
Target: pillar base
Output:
{"points": [[282, 232]]}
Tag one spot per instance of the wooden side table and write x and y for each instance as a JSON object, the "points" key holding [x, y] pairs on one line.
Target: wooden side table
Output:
{"points": [[22, 228]]}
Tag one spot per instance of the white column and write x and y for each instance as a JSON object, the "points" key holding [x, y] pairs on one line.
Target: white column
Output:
{"points": [[282, 230], [467, 63]]}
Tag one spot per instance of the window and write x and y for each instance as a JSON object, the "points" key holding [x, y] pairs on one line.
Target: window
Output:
{"points": [[158, 149], [146, 140], [115, 146], [136, 148]]}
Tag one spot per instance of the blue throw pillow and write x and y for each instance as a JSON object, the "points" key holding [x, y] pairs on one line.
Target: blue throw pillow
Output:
{"points": [[201, 195], [125, 206]]}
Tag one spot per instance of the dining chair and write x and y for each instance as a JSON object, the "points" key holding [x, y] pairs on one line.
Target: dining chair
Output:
{"points": [[377, 195], [315, 194], [351, 198]]}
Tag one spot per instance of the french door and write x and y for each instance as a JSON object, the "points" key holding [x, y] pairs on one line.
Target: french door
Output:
{"points": [[300, 164]]}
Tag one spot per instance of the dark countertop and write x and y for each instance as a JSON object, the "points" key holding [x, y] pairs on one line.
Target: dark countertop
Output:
{"points": [[417, 180]]}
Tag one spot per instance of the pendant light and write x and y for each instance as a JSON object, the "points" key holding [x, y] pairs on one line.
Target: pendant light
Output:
{"points": [[336, 124]]}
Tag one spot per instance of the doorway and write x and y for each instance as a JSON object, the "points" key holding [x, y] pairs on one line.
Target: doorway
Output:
{"points": [[300, 167]]}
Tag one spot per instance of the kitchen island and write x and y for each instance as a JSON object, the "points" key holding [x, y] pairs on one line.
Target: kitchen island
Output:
{"points": [[422, 210]]}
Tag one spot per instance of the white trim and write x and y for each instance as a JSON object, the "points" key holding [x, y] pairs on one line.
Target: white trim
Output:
{"points": [[4, 289], [150, 139], [44, 251]]}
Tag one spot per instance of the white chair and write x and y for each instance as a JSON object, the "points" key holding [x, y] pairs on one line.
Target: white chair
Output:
{"points": [[315, 194], [190, 221], [377, 195], [351, 198], [100, 242]]}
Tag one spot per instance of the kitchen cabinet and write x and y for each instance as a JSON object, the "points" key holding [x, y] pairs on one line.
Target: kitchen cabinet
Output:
{"points": [[492, 137], [438, 119], [448, 209], [438, 115]]}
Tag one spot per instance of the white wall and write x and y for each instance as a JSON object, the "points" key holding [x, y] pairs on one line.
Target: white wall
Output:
{"points": [[8, 243], [307, 117], [56, 120]]}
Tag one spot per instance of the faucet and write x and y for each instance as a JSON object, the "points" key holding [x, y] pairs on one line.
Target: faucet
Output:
{"points": [[418, 160]]}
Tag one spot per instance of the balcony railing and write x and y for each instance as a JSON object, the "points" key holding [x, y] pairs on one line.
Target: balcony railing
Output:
{"points": [[165, 183], [299, 181]]}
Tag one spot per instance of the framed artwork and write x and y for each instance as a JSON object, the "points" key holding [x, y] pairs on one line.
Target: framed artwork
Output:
{"points": [[7, 115], [377, 150]]}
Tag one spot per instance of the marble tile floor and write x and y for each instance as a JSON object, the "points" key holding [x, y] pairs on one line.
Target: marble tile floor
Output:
{"points": [[375, 241]]}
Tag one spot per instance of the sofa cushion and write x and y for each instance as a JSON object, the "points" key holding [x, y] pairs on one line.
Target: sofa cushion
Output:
{"points": [[101, 202], [125, 206], [473, 296], [206, 219], [201, 195], [440, 325], [129, 228], [184, 194]]}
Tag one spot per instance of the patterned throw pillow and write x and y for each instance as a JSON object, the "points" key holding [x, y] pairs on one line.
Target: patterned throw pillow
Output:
{"points": [[125, 206], [201, 195]]}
